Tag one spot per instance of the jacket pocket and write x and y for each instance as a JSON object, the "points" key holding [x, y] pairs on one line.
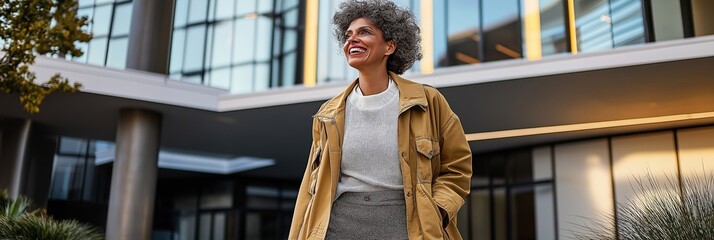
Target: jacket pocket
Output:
{"points": [[427, 147], [315, 163]]}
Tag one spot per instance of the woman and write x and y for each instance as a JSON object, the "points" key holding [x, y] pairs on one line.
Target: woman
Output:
{"points": [[389, 159]]}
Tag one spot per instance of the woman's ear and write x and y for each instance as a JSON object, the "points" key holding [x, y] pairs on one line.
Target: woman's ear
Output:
{"points": [[391, 47]]}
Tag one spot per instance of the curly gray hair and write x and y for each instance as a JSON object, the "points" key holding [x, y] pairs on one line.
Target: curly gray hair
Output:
{"points": [[396, 23]]}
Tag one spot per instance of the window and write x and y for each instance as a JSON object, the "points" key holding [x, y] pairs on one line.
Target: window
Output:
{"points": [[511, 196], [109, 23], [242, 46]]}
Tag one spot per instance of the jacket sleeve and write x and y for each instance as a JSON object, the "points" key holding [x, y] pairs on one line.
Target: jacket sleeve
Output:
{"points": [[303, 197], [453, 182]]}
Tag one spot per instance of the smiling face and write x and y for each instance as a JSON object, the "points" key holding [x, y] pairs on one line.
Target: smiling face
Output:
{"points": [[365, 47]]}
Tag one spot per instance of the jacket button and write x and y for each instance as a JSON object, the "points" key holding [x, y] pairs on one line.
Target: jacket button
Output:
{"points": [[403, 154], [409, 194], [366, 198]]}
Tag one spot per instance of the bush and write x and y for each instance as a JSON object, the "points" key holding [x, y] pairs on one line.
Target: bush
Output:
{"points": [[660, 211], [17, 221]]}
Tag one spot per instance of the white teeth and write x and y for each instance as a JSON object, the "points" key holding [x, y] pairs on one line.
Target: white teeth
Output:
{"points": [[354, 50]]}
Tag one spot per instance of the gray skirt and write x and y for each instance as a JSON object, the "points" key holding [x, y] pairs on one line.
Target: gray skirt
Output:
{"points": [[369, 215]]}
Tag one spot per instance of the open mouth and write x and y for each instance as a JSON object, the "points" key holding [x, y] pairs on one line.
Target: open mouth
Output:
{"points": [[357, 50]]}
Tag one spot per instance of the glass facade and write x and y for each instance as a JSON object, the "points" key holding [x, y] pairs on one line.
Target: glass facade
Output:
{"points": [[109, 24], [603, 24], [243, 46], [511, 196], [77, 175], [226, 209]]}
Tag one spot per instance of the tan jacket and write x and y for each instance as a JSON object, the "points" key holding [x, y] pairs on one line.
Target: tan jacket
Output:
{"points": [[435, 161]]}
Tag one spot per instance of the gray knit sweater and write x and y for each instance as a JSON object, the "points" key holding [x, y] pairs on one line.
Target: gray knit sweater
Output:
{"points": [[369, 153]]}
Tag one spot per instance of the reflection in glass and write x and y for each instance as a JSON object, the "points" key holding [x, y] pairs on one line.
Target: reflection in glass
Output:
{"points": [[262, 197], [242, 79], [225, 8], [463, 31], [220, 78], [180, 13], [501, 30], [522, 213], [627, 22], [592, 21], [187, 227], [177, 45], [499, 199], [204, 230], [243, 46], [552, 26]]}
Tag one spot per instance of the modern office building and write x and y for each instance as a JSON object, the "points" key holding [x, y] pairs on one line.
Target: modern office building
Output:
{"points": [[194, 119]]}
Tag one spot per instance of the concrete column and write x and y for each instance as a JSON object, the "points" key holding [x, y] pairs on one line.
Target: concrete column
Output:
{"points": [[131, 200], [150, 36], [13, 164]]}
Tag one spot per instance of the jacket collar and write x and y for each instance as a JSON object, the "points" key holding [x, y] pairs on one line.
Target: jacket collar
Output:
{"points": [[410, 94]]}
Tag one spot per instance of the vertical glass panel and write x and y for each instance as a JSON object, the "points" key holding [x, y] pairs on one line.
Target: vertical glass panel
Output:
{"points": [[277, 44], [73, 146], [222, 43], [194, 54], [262, 77], [192, 78], [522, 213], [89, 183], [696, 152], [180, 13], [520, 166], [289, 67], [122, 22], [245, 7], [225, 8], [62, 177], [197, 11], [103, 1], [667, 20], [262, 47], [97, 51], [463, 32], [242, 79], [117, 53], [177, 50], [644, 157], [627, 22], [499, 199], [481, 170], [218, 195], [219, 226], [261, 226], [101, 20], [290, 41], [290, 19], [187, 227], [501, 30], [265, 6], [702, 18], [204, 230], [221, 78], [480, 214], [262, 197], [243, 49], [552, 27], [584, 185], [544, 211], [542, 167], [592, 22], [439, 33]]}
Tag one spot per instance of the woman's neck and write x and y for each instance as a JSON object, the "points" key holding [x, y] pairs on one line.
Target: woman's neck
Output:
{"points": [[373, 82]]}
